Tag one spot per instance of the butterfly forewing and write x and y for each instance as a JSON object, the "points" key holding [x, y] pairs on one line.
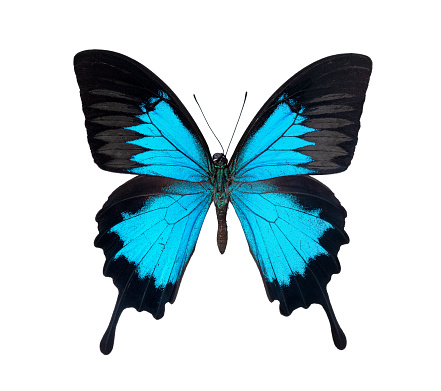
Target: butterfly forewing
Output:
{"points": [[135, 123], [310, 124]]}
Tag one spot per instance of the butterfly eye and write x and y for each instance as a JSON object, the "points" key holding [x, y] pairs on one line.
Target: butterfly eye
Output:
{"points": [[219, 159]]}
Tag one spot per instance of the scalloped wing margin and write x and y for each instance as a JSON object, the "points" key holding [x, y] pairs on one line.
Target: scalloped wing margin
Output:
{"points": [[148, 230], [294, 227]]}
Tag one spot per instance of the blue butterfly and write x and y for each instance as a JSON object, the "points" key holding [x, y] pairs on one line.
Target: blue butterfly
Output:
{"points": [[149, 226]]}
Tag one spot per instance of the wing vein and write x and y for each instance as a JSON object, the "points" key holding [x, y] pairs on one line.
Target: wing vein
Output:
{"points": [[237, 170]]}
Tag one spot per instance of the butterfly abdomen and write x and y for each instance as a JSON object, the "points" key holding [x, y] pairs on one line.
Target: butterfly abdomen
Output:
{"points": [[222, 232], [221, 198]]}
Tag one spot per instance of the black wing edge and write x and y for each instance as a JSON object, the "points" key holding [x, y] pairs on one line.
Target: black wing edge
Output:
{"points": [[157, 299], [112, 87], [303, 291], [141, 294], [332, 92]]}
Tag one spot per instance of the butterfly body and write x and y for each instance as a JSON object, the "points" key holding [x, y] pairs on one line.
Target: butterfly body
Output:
{"points": [[149, 226], [221, 198]]}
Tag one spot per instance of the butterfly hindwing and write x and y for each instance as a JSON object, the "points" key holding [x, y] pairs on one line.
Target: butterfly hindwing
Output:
{"points": [[135, 123], [309, 125], [294, 227], [148, 230]]}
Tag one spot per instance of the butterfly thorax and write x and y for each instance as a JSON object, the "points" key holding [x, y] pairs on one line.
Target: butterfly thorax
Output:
{"points": [[221, 198]]}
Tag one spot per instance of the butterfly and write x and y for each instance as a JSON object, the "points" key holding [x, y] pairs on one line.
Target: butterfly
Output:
{"points": [[149, 226]]}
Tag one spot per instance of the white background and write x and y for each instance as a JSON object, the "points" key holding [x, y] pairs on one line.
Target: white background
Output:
{"points": [[221, 333]]}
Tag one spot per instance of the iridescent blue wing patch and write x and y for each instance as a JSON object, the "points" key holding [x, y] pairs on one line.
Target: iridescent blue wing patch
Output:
{"points": [[148, 230], [135, 123], [149, 226], [294, 227], [309, 125]]}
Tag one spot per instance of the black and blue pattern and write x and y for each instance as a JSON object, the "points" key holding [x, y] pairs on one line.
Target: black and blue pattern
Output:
{"points": [[135, 123], [148, 231], [149, 226], [294, 227]]}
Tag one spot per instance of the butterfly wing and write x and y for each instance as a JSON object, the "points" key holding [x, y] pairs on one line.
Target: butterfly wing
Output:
{"points": [[149, 226], [309, 125], [148, 230], [135, 123], [294, 225]]}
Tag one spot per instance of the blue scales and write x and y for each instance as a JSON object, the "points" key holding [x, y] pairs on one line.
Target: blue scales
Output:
{"points": [[149, 226]]}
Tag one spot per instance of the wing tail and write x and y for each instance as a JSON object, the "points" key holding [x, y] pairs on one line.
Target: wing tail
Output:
{"points": [[106, 344], [338, 335]]}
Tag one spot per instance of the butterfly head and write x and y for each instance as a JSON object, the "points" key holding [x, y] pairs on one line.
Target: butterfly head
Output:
{"points": [[220, 160]]}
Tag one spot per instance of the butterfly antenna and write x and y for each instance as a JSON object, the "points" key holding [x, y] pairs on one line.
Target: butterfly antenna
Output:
{"points": [[208, 123], [234, 131]]}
